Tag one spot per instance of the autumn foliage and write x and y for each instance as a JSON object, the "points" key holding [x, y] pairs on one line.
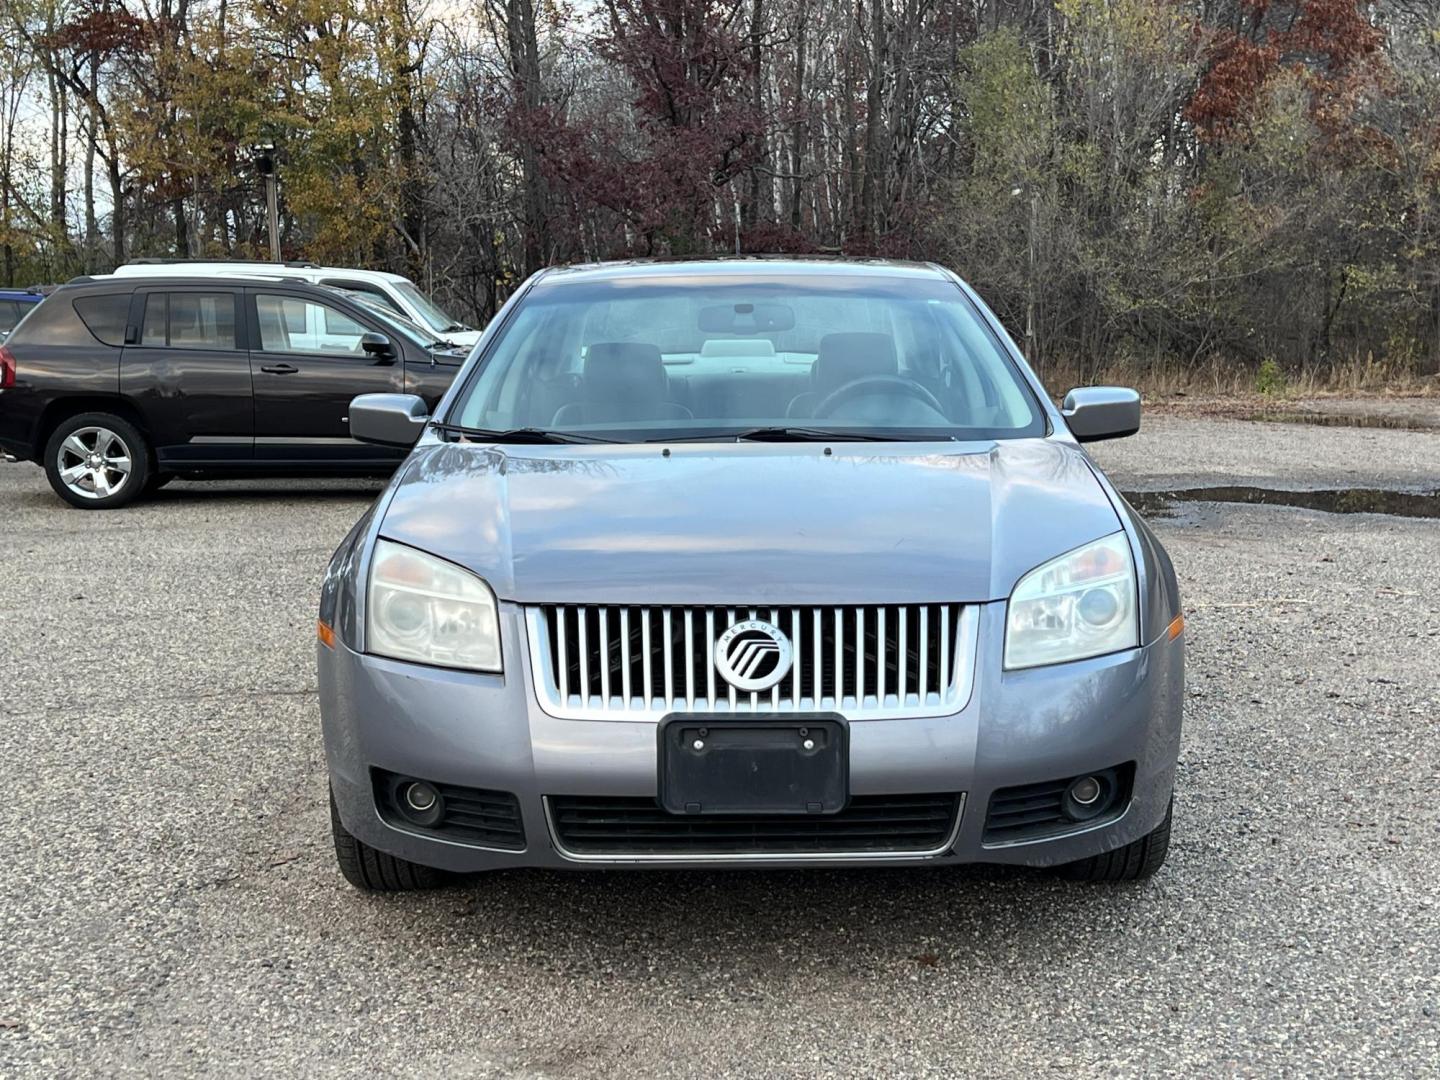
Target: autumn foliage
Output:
{"points": [[1330, 44], [1192, 183]]}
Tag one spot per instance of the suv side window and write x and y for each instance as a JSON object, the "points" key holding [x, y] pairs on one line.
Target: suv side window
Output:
{"points": [[105, 315], [9, 315], [189, 320], [290, 324]]}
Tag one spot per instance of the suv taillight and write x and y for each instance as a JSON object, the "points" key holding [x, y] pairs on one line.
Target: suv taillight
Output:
{"points": [[7, 368]]}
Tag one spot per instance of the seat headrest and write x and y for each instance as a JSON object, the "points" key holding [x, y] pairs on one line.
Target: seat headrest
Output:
{"points": [[846, 357], [738, 347], [625, 368]]}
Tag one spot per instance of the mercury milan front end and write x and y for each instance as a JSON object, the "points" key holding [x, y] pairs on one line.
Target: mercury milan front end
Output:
{"points": [[743, 563]]}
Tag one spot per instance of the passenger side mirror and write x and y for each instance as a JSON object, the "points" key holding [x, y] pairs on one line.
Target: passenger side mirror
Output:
{"points": [[388, 419], [1101, 412], [379, 346]]}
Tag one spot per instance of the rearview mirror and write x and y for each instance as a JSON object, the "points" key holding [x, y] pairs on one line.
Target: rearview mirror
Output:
{"points": [[388, 419], [1101, 412], [746, 318], [377, 345]]}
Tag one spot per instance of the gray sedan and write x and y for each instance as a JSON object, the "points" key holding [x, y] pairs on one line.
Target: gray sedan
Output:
{"points": [[748, 562]]}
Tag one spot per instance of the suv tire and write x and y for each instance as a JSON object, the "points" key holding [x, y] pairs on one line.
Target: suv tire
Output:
{"points": [[375, 871], [1136, 860], [97, 461]]}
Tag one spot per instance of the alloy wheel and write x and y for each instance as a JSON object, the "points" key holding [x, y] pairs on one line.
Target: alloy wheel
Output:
{"points": [[94, 462]]}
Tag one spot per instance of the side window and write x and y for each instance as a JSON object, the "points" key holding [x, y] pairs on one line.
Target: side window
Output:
{"points": [[153, 330], [105, 315], [189, 320], [290, 324], [338, 325], [9, 315]]}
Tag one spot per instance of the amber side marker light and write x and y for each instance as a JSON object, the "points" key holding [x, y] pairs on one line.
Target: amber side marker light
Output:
{"points": [[1177, 627], [327, 636]]}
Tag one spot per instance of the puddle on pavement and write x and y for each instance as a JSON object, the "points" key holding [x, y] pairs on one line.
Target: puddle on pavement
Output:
{"points": [[1415, 504], [1388, 421]]}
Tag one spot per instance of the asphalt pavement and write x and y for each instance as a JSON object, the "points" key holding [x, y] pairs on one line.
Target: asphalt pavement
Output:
{"points": [[169, 902]]}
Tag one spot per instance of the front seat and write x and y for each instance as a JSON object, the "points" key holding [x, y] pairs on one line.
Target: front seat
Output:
{"points": [[622, 380], [842, 359]]}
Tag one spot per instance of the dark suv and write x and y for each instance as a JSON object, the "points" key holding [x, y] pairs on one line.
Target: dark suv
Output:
{"points": [[117, 385]]}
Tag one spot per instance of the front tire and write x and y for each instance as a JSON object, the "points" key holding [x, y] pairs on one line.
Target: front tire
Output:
{"points": [[375, 871], [97, 461], [1133, 862]]}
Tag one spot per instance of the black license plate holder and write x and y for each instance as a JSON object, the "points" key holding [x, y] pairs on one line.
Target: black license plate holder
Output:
{"points": [[754, 765]]}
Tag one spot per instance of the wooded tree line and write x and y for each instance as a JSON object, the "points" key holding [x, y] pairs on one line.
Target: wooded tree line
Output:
{"points": [[1151, 182]]}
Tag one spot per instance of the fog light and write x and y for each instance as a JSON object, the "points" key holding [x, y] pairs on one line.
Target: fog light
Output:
{"points": [[1084, 791], [419, 802], [1089, 796]]}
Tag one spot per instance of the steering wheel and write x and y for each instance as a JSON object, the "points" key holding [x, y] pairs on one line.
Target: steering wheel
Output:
{"points": [[874, 386]]}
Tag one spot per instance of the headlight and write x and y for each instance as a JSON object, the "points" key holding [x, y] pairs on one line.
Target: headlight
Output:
{"points": [[426, 609], [1081, 604]]}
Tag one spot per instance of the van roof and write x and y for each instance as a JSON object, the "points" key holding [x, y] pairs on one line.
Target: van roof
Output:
{"points": [[298, 268]]}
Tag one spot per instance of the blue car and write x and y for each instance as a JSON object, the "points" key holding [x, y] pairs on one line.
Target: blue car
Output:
{"points": [[749, 562], [15, 304]]}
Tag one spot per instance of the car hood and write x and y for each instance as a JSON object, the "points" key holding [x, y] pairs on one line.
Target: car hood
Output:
{"points": [[750, 523]]}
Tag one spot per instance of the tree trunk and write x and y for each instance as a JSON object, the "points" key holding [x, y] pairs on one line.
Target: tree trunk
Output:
{"points": [[760, 204], [92, 230], [59, 152], [874, 134], [117, 201], [524, 47], [801, 126]]}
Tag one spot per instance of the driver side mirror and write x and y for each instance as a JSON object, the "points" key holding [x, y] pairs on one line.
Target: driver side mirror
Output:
{"points": [[388, 419], [379, 346], [1101, 412]]}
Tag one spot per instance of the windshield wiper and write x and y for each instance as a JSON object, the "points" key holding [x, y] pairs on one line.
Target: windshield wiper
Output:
{"points": [[810, 434], [520, 435]]}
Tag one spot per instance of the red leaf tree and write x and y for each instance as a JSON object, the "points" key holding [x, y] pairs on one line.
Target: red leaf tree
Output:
{"points": [[661, 171]]}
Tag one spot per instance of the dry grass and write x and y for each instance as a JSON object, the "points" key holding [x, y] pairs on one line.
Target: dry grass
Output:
{"points": [[1219, 379]]}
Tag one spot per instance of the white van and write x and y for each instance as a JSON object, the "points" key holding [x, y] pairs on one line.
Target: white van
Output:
{"points": [[393, 290]]}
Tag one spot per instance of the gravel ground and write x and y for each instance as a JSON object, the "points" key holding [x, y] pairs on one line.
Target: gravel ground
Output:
{"points": [[169, 902]]}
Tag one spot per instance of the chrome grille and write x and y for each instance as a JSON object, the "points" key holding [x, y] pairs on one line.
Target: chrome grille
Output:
{"points": [[645, 662]]}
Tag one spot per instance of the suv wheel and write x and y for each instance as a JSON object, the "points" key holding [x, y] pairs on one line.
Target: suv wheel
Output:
{"points": [[1136, 860], [375, 871], [97, 461]]}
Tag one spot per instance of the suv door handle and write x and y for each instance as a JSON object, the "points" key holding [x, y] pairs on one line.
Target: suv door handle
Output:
{"points": [[279, 369]]}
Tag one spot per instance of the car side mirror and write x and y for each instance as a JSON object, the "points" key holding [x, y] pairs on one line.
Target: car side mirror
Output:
{"points": [[388, 419], [379, 346], [1101, 412]]}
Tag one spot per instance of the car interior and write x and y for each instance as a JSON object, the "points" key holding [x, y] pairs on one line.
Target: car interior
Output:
{"points": [[746, 364]]}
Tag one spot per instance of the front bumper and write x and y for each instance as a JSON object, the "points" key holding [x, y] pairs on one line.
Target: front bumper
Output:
{"points": [[489, 732]]}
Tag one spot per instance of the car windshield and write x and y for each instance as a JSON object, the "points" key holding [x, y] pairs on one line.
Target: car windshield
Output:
{"points": [[779, 357], [421, 335], [430, 312]]}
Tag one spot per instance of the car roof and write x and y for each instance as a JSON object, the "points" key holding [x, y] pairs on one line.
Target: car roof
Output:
{"points": [[184, 267], [131, 282], [743, 266], [32, 295]]}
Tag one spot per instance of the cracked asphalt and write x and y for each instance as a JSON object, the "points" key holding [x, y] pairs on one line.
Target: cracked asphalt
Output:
{"points": [[169, 902]]}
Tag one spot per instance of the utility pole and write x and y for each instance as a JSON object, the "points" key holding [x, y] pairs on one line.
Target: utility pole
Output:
{"points": [[265, 164]]}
